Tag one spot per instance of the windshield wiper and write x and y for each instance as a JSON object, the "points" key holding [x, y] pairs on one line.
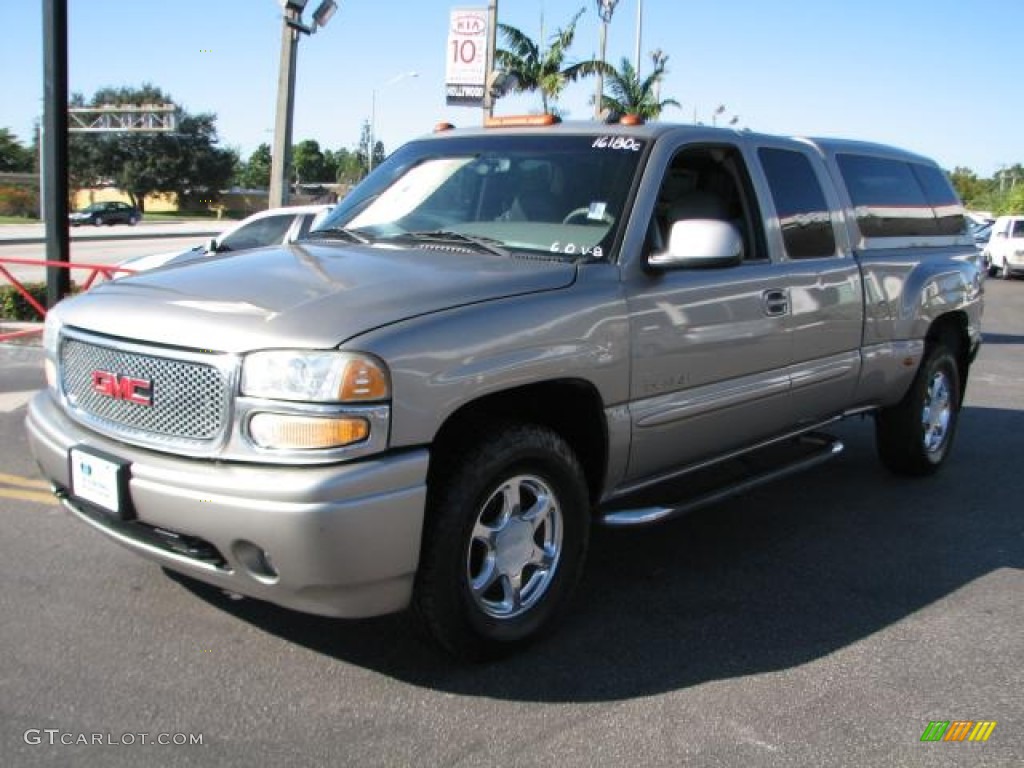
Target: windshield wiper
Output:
{"points": [[486, 244], [334, 233]]}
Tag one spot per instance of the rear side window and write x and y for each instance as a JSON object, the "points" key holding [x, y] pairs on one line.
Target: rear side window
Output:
{"points": [[800, 204], [949, 211], [896, 198], [888, 199]]}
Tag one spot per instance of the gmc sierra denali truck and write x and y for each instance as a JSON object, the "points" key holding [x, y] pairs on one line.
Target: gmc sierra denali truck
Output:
{"points": [[501, 337]]}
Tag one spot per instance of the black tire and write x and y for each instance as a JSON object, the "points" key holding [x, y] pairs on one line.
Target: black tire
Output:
{"points": [[133, 220], [98, 221], [1005, 273], [477, 538], [914, 437]]}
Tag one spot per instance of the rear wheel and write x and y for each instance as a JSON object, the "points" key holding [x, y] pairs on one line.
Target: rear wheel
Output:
{"points": [[505, 542], [914, 437]]}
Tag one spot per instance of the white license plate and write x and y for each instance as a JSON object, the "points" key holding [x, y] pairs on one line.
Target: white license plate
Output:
{"points": [[96, 480]]}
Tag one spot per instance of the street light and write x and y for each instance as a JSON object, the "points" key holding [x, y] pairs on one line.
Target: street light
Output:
{"points": [[281, 159], [605, 9], [373, 114]]}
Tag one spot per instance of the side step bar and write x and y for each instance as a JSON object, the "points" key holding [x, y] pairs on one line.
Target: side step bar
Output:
{"points": [[819, 449]]}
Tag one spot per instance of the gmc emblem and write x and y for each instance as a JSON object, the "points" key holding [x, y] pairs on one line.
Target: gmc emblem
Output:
{"points": [[138, 391]]}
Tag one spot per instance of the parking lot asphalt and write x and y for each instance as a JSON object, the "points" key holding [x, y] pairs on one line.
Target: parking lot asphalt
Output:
{"points": [[823, 620]]}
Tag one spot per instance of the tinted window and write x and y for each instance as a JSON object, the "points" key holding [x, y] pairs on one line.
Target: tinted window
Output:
{"points": [[949, 211], [800, 204], [269, 230], [887, 197]]}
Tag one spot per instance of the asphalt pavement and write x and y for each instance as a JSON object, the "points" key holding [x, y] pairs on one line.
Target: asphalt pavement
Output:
{"points": [[825, 620]]}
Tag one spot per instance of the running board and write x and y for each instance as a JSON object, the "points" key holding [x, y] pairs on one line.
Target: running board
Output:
{"points": [[820, 448]]}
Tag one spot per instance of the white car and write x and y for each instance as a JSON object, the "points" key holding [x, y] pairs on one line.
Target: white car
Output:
{"points": [[1004, 253], [271, 227]]}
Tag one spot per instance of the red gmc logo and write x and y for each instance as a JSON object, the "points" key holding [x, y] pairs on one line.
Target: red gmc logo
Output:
{"points": [[138, 391]]}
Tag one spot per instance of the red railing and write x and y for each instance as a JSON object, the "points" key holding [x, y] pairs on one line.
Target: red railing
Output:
{"points": [[95, 270]]}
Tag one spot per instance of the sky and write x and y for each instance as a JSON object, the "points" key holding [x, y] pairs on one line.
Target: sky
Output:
{"points": [[938, 77]]}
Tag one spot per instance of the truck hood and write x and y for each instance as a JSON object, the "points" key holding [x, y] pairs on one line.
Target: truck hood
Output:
{"points": [[308, 295]]}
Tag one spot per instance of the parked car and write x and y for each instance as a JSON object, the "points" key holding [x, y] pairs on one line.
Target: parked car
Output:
{"points": [[99, 214], [1004, 253], [271, 227], [981, 233]]}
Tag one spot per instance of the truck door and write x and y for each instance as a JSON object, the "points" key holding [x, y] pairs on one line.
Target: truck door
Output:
{"points": [[711, 348], [824, 281]]}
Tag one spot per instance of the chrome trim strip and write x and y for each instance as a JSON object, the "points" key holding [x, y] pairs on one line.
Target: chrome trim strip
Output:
{"points": [[687, 406]]}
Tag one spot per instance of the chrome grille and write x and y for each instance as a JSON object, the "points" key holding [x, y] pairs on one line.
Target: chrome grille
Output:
{"points": [[190, 399]]}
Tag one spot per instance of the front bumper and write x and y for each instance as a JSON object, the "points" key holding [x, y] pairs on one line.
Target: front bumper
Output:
{"points": [[339, 540]]}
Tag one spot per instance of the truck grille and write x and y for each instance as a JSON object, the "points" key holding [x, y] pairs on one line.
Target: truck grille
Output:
{"points": [[189, 398]]}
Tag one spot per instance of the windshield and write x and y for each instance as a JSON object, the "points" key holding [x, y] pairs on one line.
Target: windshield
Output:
{"points": [[560, 195]]}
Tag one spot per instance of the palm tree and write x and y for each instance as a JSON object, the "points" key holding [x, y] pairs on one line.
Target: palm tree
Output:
{"points": [[631, 96], [543, 69]]}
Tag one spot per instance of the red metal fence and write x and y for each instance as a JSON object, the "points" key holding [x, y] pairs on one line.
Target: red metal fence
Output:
{"points": [[95, 271]]}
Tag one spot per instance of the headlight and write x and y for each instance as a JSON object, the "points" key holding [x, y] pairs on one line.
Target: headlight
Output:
{"points": [[51, 348], [314, 377]]}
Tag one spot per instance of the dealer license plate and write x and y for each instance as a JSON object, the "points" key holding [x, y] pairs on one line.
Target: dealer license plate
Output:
{"points": [[98, 480]]}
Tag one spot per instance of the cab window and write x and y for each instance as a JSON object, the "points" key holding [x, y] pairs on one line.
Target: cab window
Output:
{"points": [[799, 203]]}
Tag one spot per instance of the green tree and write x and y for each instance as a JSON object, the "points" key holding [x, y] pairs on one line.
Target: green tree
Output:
{"points": [[255, 172], [968, 186], [14, 157], [536, 68], [626, 94], [309, 162], [350, 167], [187, 162]]}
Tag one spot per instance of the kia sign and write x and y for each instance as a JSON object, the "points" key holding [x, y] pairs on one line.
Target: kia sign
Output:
{"points": [[466, 72]]}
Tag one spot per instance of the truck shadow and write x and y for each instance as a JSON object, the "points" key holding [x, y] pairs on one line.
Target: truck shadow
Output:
{"points": [[777, 578]]}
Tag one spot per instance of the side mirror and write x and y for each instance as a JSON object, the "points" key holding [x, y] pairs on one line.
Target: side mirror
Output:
{"points": [[700, 244], [211, 245]]}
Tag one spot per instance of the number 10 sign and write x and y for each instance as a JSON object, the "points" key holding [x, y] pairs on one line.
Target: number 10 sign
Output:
{"points": [[465, 74]]}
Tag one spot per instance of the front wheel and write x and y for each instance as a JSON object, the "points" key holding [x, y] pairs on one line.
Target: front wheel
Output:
{"points": [[915, 436], [505, 541]]}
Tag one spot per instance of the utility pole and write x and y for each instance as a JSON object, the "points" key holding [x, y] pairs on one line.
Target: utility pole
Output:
{"points": [[639, 35], [492, 47], [292, 27], [281, 157], [54, 193], [605, 9]]}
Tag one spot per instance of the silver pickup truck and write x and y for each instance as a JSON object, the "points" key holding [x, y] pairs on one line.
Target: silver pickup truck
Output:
{"points": [[501, 337]]}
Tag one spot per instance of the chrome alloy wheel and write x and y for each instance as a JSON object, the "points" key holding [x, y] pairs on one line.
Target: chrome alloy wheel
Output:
{"points": [[937, 412], [515, 547]]}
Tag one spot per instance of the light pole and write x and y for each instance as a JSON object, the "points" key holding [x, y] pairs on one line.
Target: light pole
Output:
{"points": [[292, 27], [605, 9], [373, 115]]}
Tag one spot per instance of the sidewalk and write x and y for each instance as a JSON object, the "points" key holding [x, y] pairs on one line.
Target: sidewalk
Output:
{"points": [[31, 341], [31, 234]]}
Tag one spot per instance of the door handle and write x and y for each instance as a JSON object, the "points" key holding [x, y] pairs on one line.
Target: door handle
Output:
{"points": [[775, 302]]}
